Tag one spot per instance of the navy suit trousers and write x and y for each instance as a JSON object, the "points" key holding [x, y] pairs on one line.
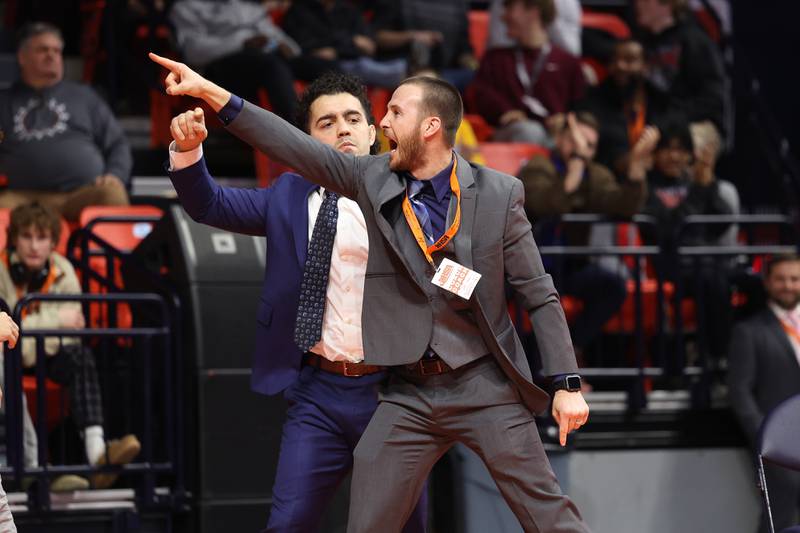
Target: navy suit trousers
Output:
{"points": [[326, 416]]}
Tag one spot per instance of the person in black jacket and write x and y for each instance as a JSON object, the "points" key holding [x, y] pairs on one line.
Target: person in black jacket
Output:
{"points": [[680, 186], [625, 105], [682, 61], [764, 370]]}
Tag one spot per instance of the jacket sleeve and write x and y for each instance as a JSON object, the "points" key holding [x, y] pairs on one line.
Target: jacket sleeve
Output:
{"points": [[704, 77], [47, 316], [610, 197], [229, 208], [537, 294], [544, 189], [742, 373], [111, 140], [315, 161]]}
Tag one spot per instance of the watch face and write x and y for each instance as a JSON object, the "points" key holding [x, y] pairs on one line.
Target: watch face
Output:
{"points": [[573, 383]]}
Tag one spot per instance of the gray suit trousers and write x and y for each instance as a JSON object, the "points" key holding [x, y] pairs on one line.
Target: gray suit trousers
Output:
{"points": [[420, 418]]}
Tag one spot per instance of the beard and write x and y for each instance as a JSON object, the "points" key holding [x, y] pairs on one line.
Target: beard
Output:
{"points": [[408, 154], [786, 302]]}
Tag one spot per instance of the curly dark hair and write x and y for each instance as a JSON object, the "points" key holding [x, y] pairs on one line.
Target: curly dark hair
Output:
{"points": [[35, 215], [334, 83]]}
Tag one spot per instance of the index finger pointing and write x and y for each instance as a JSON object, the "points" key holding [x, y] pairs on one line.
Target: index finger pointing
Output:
{"points": [[562, 431], [163, 61]]}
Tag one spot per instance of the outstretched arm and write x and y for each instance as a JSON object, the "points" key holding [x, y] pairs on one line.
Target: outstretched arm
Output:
{"points": [[269, 133], [228, 208]]}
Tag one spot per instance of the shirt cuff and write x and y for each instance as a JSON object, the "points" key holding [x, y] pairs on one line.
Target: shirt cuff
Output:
{"points": [[180, 160], [231, 110]]}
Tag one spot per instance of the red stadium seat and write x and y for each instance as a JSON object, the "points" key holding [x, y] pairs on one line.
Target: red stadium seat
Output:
{"points": [[606, 22], [124, 236], [483, 131], [478, 31], [509, 157], [55, 398]]}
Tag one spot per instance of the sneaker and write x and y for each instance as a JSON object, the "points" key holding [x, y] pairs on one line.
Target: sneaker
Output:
{"points": [[119, 452], [69, 483]]}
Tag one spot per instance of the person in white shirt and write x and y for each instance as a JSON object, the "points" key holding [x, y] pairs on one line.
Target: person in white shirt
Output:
{"points": [[334, 394], [764, 370]]}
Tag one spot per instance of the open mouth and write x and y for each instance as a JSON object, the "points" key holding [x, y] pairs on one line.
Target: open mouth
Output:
{"points": [[392, 145]]}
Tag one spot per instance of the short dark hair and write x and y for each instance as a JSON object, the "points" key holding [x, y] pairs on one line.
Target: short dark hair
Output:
{"points": [[330, 83], [547, 8], [770, 264], [36, 215], [441, 99], [676, 129], [34, 29]]}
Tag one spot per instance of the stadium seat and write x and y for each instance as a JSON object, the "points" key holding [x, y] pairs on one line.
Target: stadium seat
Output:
{"points": [[606, 22], [478, 31], [483, 131], [509, 157], [122, 235], [55, 397]]}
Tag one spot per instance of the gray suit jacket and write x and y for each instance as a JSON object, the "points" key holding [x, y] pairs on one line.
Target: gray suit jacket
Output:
{"points": [[494, 239], [762, 370]]}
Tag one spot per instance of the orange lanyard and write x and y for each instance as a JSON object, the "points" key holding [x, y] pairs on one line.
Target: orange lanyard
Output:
{"points": [[636, 127], [790, 330], [416, 229]]}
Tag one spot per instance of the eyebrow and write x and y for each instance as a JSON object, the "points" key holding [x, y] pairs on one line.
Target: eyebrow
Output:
{"points": [[347, 113]]}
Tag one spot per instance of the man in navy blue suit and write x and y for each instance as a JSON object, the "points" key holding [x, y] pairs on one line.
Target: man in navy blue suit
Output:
{"points": [[309, 342]]}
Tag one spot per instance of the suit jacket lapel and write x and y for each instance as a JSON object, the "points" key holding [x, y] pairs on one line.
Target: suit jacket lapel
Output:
{"points": [[463, 239], [299, 219], [774, 325], [390, 221]]}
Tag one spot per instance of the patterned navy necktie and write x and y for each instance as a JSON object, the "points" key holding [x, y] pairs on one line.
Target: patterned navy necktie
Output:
{"points": [[308, 324], [415, 188]]}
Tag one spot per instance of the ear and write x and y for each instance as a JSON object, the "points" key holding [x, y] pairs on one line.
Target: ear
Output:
{"points": [[372, 134], [430, 126]]}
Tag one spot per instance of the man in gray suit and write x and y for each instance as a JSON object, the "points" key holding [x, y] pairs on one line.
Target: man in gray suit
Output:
{"points": [[459, 372], [764, 370]]}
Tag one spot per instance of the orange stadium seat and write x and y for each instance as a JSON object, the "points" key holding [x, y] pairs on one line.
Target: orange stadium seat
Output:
{"points": [[509, 157], [606, 22], [125, 236]]}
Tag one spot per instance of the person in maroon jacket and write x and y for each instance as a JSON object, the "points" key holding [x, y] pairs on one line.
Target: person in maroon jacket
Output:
{"points": [[524, 88]]}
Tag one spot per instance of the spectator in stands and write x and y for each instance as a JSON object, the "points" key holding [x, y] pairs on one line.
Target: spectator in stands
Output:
{"points": [[569, 181], [332, 393], [565, 31], [682, 61], [336, 30], [523, 88], [430, 35], [764, 370], [678, 188], [236, 43], [30, 264], [625, 104], [9, 332], [60, 145]]}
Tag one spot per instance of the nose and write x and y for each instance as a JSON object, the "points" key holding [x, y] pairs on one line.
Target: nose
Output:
{"points": [[343, 129]]}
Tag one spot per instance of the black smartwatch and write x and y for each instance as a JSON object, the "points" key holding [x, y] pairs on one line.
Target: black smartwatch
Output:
{"points": [[570, 383]]}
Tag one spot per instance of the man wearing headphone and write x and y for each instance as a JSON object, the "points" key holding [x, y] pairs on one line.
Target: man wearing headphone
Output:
{"points": [[30, 264]]}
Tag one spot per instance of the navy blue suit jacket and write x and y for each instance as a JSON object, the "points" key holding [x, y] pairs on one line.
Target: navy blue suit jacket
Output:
{"points": [[280, 213]]}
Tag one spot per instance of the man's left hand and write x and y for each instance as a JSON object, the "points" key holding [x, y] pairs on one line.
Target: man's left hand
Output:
{"points": [[570, 412]]}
